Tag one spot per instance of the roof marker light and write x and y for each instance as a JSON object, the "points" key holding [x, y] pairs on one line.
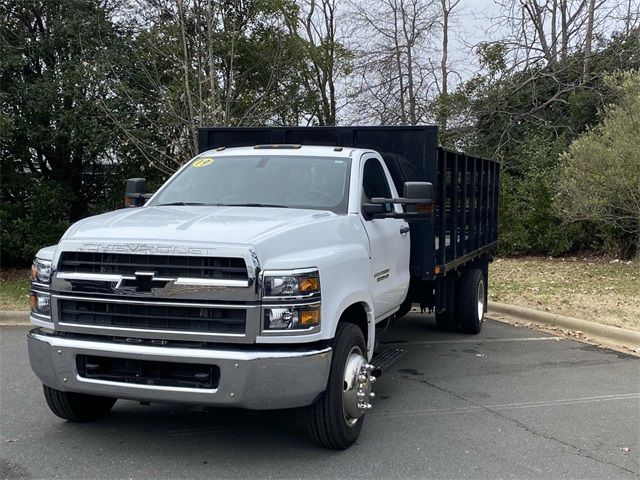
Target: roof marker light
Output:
{"points": [[276, 146]]}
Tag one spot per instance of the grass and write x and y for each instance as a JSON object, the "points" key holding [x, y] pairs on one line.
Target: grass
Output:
{"points": [[14, 289], [600, 290]]}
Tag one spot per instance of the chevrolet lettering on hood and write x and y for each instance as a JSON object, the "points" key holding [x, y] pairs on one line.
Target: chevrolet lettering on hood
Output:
{"points": [[145, 249]]}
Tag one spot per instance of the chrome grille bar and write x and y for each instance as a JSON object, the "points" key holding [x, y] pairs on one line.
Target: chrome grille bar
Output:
{"points": [[152, 317], [174, 266]]}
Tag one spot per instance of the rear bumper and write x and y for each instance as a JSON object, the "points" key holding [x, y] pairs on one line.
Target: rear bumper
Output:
{"points": [[259, 380]]}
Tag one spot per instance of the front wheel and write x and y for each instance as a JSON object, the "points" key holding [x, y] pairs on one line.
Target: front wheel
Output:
{"points": [[77, 407], [336, 418]]}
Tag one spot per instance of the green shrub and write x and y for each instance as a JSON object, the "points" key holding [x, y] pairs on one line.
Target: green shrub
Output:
{"points": [[32, 215], [599, 181]]}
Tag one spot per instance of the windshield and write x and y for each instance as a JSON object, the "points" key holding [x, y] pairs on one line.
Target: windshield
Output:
{"points": [[319, 183]]}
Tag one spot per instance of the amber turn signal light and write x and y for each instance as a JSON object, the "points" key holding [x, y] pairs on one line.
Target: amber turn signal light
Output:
{"points": [[33, 302], [310, 284], [309, 318], [424, 208]]}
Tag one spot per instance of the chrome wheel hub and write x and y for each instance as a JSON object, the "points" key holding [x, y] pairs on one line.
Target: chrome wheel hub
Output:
{"points": [[356, 386], [481, 300]]}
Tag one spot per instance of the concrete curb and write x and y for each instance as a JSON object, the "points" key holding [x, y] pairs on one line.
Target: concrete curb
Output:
{"points": [[14, 317], [615, 335]]}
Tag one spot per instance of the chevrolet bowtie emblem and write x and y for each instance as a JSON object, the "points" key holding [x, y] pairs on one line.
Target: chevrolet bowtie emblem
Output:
{"points": [[144, 282]]}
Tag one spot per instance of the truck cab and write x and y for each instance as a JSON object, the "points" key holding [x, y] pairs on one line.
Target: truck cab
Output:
{"points": [[253, 278]]}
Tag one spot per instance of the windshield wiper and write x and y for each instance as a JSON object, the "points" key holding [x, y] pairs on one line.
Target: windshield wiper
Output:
{"points": [[252, 205], [183, 204], [222, 204]]}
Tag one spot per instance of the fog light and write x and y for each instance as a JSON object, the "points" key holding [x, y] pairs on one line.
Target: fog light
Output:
{"points": [[291, 318], [40, 303], [280, 318]]}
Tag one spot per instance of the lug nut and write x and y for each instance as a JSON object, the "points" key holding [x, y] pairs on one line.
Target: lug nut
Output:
{"points": [[372, 395], [362, 378], [372, 379], [361, 394]]}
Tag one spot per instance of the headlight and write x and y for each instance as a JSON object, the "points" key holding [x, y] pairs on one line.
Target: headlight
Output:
{"points": [[41, 271], [291, 317], [292, 300], [292, 284], [40, 299], [40, 303]]}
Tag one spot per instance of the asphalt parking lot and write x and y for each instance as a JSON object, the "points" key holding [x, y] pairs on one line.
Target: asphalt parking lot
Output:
{"points": [[509, 403]]}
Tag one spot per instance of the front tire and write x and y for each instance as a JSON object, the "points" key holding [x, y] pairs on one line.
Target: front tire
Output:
{"points": [[77, 407], [473, 294], [335, 420]]}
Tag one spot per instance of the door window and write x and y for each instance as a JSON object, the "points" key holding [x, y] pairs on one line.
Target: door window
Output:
{"points": [[374, 181], [374, 184]]}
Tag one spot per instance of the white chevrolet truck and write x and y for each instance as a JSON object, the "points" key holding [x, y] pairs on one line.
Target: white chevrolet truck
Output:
{"points": [[257, 275]]}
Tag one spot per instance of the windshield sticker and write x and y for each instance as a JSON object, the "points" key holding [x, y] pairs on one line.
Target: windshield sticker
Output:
{"points": [[202, 162]]}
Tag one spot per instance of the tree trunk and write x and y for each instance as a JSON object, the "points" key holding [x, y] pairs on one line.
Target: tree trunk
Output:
{"points": [[564, 30], [443, 61], [214, 93], [186, 82], [403, 112], [587, 41]]}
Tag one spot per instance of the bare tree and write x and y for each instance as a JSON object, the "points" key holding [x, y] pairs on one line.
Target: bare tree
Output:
{"points": [[326, 59], [547, 31], [203, 62], [395, 67], [447, 7]]}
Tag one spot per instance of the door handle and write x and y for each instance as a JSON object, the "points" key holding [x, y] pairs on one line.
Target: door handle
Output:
{"points": [[404, 230]]}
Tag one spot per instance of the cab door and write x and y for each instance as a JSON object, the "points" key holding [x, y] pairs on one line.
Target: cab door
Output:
{"points": [[389, 245]]}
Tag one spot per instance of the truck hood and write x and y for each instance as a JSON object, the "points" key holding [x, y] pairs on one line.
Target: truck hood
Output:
{"points": [[193, 224]]}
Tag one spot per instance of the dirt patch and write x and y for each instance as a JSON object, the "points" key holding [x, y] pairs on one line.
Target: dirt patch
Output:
{"points": [[598, 290], [14, 289]]}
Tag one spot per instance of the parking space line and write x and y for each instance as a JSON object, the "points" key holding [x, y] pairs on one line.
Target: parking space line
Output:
{"points": [[511, 406], [478, 340]]}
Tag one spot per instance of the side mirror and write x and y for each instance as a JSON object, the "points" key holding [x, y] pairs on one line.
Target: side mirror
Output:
{"points": [[418, 190], [421, 195], [135, 192]]}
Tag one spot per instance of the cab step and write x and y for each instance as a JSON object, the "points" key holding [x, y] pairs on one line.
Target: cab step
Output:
{"points": [[384, 360]]}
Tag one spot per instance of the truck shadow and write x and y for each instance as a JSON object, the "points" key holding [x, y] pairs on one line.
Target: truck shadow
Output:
{"points": [[204, 434]]}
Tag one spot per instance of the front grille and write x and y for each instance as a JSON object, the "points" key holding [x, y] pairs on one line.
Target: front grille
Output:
{"points": [[214, 320], [215, 268], [146, 372]]}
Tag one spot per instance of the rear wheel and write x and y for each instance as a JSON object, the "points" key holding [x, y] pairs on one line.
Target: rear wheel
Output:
{"points": [[336, 418], [77, 407], [472, 300]]}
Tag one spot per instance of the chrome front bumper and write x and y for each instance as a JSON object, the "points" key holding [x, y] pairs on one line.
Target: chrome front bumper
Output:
{"points": [[258, 380]]}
